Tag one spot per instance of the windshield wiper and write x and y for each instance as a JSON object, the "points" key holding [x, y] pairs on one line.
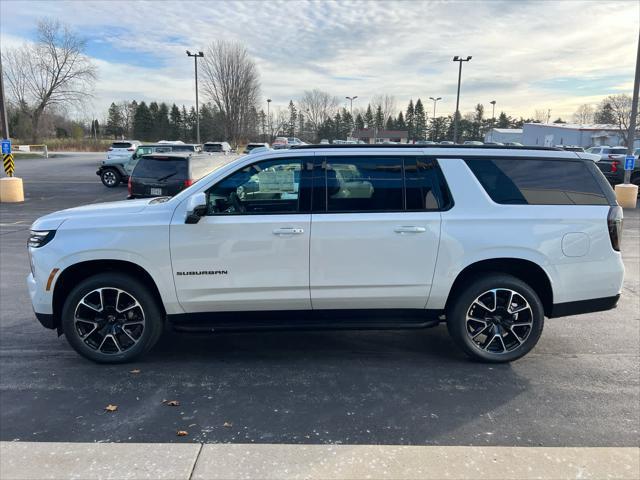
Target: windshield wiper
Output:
{"points": [[166, 176]]}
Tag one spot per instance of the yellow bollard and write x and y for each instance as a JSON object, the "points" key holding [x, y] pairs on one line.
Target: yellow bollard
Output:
{"points": [[627, 195], [11, 190]]}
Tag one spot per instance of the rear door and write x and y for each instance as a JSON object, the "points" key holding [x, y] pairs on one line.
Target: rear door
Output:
{"points": [[375, 231]]}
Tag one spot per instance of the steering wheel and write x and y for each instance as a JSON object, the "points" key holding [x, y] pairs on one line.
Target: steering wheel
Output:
{"points": [[237, 204]]}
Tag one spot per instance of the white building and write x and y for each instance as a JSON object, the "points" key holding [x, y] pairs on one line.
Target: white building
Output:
{"points": [[504, 135], [552, 134]]}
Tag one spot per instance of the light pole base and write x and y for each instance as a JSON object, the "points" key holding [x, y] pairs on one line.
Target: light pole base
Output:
{"points": [[627, 195], [11, 190]]}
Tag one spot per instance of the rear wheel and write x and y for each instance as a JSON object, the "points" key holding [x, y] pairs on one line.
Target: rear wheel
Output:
{"points": [[111, 318], [110, 177], [498, 318]]}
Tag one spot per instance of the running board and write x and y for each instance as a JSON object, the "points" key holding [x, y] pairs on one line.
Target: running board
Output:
{"points": [[391, 319]]}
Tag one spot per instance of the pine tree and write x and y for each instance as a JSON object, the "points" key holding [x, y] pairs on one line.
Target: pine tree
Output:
{"points": [[301, 125], [504, 121], [207, 123], [162, 122], [192, 131], [604, 114], [175, 123], [390, 124], [400, 125], [410, 120], [114, 121], [347, 121], [143, 123], [338, 126], [368, 118], [185, 128], [153, 111], [359, 122], [293, 115], [420, 121], [379, 119]]}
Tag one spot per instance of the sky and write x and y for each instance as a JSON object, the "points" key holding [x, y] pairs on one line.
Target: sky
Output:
{"points": [[527, 55]]}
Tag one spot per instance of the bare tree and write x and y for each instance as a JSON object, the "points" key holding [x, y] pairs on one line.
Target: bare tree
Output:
{"points": [[387, 104], [54, 72], [621, 109], [584, 114], [317, 106], [230, 79], [542, 116]]}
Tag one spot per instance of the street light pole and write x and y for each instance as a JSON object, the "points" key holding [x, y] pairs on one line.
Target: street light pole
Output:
{"points": [[435, 100], [457, 115], [493, 117], [195, 61], [269, 118], [634, 113], [351, 99]]}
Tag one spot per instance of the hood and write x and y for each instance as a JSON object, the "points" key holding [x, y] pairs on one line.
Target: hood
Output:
{"points": [[53, 220]]}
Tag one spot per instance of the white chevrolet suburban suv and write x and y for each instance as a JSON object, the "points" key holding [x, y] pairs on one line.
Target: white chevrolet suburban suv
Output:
{"points": [[490, 240]]}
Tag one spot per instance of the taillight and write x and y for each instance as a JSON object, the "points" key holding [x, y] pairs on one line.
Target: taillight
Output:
{"points": [[111, 149], [614, 166], [129, 185], [188, 182], [614, 222]]}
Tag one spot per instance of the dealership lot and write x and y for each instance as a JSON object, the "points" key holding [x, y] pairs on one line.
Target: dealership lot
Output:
{"points": [[579, 387]]}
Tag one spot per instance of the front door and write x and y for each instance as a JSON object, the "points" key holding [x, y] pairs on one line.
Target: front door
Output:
{"points": [[375, 232], [251, 250]]}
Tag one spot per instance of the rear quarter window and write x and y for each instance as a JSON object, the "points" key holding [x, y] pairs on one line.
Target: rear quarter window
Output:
{"points": [[520, 181]]}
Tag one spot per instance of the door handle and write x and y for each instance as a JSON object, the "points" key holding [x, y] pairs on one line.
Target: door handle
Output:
{"points": [[288, 231], [409, 229]]}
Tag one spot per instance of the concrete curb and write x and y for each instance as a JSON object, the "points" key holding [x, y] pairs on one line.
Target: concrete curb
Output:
{"points": [[42, 460]]}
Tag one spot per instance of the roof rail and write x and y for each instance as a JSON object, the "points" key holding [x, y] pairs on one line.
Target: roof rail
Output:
{"points": [[409, 145]]}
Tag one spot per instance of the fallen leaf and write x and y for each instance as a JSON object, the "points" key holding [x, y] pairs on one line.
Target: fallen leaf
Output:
{"points": [[182, 433], [172, 403], [135, 371], [227, 424], [111, 408]]}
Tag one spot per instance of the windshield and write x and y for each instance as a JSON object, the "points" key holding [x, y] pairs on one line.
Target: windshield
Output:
{"points": [[161, 168]]}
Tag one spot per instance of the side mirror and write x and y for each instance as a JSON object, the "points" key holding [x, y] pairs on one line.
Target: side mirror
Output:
{"points": [[196, 207]]}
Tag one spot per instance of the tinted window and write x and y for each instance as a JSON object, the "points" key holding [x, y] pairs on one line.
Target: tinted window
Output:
{"points": [[160, 168], [213, 147], [121, 145], [271, 186], [182, 148], [538, 182], [424, 185], [357, 184]]}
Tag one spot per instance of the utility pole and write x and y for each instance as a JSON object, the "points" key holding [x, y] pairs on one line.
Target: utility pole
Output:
{"points": [[634, 113], [3, 107], [457, 115], [195, 61], [269, 119], [435, 100], [493, 117], [351, 99]]}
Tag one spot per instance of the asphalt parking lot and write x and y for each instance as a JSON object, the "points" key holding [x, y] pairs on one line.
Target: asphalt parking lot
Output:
{"points": [[579, 387]]}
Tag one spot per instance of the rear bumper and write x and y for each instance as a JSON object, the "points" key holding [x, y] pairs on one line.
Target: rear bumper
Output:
{"points": [[584, 306]]}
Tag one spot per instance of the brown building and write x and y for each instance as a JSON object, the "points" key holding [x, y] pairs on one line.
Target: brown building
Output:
{"points": [[370, 135]]}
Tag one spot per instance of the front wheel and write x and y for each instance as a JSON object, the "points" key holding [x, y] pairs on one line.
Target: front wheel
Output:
{"points": [[498, 318], [111, 318], [110, 177]]}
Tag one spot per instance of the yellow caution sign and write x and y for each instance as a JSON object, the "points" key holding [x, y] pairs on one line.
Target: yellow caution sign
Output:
{"points": [[7, 161]]}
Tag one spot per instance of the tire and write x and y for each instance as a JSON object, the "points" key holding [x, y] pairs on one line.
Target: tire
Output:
{"points": [[110, 177], [111, 318], [507, 332]]}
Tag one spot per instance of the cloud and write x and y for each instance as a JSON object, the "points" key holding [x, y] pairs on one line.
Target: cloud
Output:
{"points": [[526, 55]]}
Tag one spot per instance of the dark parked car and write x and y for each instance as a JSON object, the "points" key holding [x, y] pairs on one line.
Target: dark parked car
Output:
{"points": [[611, 164], [166, 174]]}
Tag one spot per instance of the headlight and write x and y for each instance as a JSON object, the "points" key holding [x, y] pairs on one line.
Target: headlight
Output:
{"points": [[39, 238]]}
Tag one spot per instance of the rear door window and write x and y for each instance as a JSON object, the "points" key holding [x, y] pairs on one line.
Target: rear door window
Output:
{"points": [[520, 181], [161, 168]]}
